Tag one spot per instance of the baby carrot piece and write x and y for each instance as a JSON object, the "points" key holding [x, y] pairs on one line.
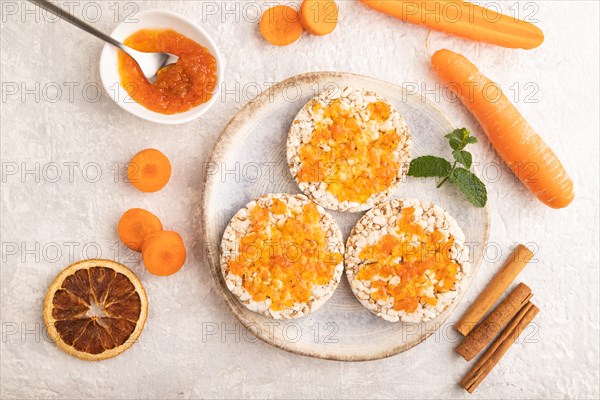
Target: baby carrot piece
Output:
{"points": [[514, 139], [163, 253], [465, 19], [280, 25], [149, 170], [319, 17], [135, 225]]}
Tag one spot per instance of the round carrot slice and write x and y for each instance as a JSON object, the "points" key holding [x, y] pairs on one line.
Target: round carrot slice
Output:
{"points": [[135, 225], [163, 253], [95, 309], [280, 25], [149, 170], [319, 17]]}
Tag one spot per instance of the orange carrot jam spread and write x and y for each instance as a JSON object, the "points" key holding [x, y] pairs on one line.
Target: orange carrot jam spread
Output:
{"points": [[284, 260], [354, 158], [421, 260], [179, 87]]}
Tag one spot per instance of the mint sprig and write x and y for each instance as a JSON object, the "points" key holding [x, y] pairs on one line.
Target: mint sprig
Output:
{"points": [[466, 181]]}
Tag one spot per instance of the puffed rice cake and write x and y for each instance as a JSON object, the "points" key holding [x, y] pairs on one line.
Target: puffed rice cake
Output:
{"points": [[348, 149], [282, 256], [406, 260]]}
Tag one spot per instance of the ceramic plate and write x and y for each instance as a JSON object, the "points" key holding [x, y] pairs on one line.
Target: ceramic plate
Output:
{"points": [[249, 160]]}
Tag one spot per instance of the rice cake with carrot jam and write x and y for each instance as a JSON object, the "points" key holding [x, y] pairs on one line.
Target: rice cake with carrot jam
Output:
{"points": [[348, 149], [406, 260], [282, 256]]}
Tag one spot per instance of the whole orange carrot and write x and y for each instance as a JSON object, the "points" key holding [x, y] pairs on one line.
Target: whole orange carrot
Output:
{"points": [[464, 19], [514, 139]]}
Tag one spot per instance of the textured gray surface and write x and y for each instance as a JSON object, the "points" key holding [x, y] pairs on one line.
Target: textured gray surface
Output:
{"points": [[50, 221]]}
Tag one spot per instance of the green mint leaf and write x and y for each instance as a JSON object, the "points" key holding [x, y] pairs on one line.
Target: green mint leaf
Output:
{"points": [[455, 143], [459, 134], [429, 166], [458, 138], [473, 189], [463, 157], [467, 182]]}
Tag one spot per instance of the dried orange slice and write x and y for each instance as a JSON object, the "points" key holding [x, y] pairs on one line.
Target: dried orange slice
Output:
{"points": [[95, 309]]}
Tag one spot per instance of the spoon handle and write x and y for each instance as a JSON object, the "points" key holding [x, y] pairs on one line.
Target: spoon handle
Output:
{"points": [[59, 12]]}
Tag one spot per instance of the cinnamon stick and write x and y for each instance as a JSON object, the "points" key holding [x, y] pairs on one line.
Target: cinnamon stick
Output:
{"points": [[498, 285], [483, 334], [491, 357]]}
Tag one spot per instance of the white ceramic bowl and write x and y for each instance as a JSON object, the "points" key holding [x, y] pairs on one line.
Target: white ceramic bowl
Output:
{"points": [[155, 19]]}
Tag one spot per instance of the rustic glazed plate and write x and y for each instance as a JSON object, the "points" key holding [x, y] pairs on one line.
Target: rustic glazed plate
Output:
{"points": [[249, 160]]}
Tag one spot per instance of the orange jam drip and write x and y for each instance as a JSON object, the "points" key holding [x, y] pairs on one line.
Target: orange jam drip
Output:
{"points": [[419, 252], [284, 261], [188, 83], [359, 163]]}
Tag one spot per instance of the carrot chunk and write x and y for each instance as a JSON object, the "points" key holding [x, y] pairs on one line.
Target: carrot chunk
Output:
{"points": [[135, 225], [163, 253], [514, 139], [319, 17], [280, 25], [149, 170]]}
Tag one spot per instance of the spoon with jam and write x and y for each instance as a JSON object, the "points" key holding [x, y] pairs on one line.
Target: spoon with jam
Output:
{"points": [[150, 63]]}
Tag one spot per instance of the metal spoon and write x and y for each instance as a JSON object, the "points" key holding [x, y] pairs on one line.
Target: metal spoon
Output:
{"points": [[150, 63]]}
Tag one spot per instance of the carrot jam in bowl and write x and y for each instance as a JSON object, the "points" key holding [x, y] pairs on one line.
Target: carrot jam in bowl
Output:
{"points": [[178, 87], [183, 91]]}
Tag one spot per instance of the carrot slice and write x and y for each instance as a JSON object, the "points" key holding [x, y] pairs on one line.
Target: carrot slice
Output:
{"points": [[514, 139], [319, 17], [464, 19], [135, 225], [280, 25], [149, 170], [163, 253]]}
